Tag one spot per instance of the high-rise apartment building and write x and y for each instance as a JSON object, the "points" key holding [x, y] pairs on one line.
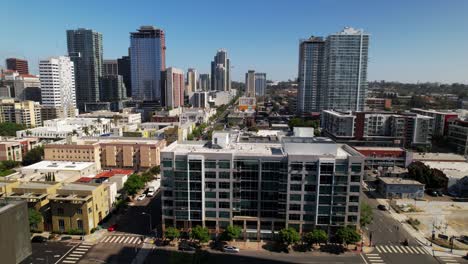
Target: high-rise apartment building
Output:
{"points": [[299, 182], [173, 80], [192, 81], [221, 72], [148, 60], [27, 113], [204, 82], [250, 83], [124, 69], [85, 50], [57, 87], [19, 65], [333, 73], [260, 84], [311, 66], [110, 67]]}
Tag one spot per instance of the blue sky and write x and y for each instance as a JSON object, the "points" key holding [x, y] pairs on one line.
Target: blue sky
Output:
{"points": [[420, 40]]}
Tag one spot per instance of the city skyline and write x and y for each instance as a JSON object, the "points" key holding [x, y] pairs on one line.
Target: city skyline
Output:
{"points": [[403, 43]]}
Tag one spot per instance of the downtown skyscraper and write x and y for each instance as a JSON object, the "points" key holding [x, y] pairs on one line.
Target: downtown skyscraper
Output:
{"points": [[148, 61], [333, 72], [85, 50], [221, 72]]}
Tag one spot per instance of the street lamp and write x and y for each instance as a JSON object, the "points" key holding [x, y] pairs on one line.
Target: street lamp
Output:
{"points": [[150, 221]]}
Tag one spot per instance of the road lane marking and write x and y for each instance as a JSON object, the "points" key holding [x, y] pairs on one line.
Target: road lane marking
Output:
{"points": [[404, 249], [421, 250], [112, 239], [76, 255], [71, 258], [68, 261], [393, 249], [363, 258], [126, 239], [398, 249], [387, 249], [410, 250]]}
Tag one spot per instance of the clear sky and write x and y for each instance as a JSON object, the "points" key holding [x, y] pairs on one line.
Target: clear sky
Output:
{"points": [[411, 40]]}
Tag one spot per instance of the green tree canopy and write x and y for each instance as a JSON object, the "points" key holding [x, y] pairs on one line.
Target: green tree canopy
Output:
{"points": [[133, 184], [172, 233], [200, 233], [317, 236], [366, 214], [34, 218], [155, 170], [348, 235], [231, 232], [289, 236], [33, 156], [433, 178], [9, 129]]}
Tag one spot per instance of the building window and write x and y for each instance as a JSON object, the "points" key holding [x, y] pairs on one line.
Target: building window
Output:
{"points": [[210, 204], [210, 214], [210, 175], [295, 187], [354, 199], [223, 205], [210, 185], [354, 188], [61, 223], [352, 208], [210, 164], [355, 178], [296, 166], [295, 207], [79, 211], [223, 195], [224, 185], [224, 175], [224, 164], [296, 177], [79, 224], [210, 194], [224, 214], [294, 217], [356, 168], [294, 197]]}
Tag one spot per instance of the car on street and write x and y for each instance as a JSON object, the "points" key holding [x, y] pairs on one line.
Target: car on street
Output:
{"points": [[38, 239], [230, 249], [150, 193], [439, 193], [112, 228], [432, 193], [382, 207], [186, 247], [141, 197]]}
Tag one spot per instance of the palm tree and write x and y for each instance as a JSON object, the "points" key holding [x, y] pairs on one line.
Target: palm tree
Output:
{"points": [[86, 130]]}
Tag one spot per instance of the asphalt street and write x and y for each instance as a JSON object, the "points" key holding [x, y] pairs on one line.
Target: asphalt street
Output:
{"points": [[48, 252]]}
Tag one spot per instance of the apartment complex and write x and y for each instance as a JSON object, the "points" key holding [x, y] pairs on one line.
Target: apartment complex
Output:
{"points": [[221, 72], [457, 135], [78, 207], [260, 84], [57, 77], [250, 83], [148, 60], [378, 104], [62, 127], [333, 72], [117, 118], [304, 183], [441, 119], [173, 94], [108, 153], [85, 50], [192, 81], [27, 113], [378, 128], [19, 65]]}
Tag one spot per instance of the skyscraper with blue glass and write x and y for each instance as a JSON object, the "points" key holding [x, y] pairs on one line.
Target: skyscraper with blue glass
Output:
{"points": [[148, 61]]}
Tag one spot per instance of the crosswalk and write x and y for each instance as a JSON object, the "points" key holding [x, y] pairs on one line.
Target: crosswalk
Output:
{"points": [[449, 260], [76, 254], [122, 239], [400, 249], [374, 258]]}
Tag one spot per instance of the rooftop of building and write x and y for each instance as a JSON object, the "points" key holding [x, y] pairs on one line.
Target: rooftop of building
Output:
{"points": [[107, 114], [317, 146], [366, 148], [114, 172], [59, 165], [456, 170], [398, 181], [434, 111], [35, 185], [78, 187], [438, 157], [106, 140], [6, 204]]}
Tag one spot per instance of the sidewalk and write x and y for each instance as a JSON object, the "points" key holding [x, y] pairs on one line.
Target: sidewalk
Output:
{"points": [[144, 251]]}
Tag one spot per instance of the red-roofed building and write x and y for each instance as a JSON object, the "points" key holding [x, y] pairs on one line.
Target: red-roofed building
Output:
{"points": [[119, 176], [384, 157], [85, 179]]}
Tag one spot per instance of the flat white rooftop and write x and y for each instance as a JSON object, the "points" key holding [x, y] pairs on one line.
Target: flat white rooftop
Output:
{"points": [[451, 169], [450, 157], [59, 165]]}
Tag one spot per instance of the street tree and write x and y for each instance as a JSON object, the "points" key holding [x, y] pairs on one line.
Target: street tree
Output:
{"points": [[133, 184], [200, 233], [172, 233], [348, 235], [34, 218], [317, 236], [231, 232], [289, 236]]}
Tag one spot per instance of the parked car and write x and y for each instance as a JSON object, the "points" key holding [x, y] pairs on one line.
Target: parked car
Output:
{"points": [[141, 197], [112, 228], [150, 193], [186, 247], [439, 193], [432, 193], [38, 239], [230, 249], [382, 207]]}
